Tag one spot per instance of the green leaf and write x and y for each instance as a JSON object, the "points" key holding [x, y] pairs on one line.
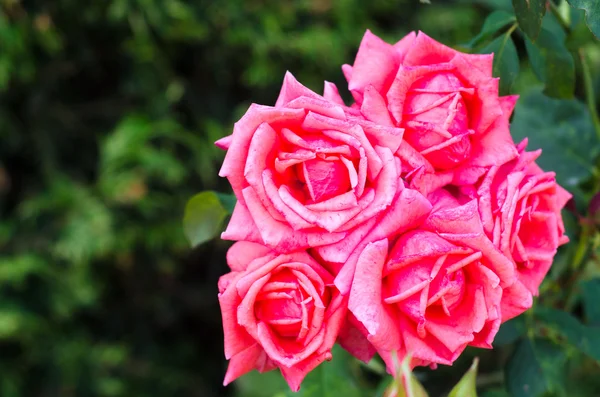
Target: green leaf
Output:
{"points": [[535, 368], [506, 61], [495, 393], [228, 201], [563, 129], [331, 379], [590, 291], [203, 218], [529, 15], [553, 64], [592, 13], [14, 270], [467, 386], [14, 321], [510, 331], [493, 23], [255, 384], [565, 326]]}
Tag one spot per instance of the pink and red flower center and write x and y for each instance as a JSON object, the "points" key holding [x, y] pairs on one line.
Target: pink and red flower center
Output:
{"points": [[318, 167], [436, 119], [287, 304], [431, 289], [324, 178]]}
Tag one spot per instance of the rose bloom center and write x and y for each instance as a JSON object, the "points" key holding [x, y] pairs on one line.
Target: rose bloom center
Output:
{"points": [[436, 119], [316, 167], [286, 304], [431, 289]]}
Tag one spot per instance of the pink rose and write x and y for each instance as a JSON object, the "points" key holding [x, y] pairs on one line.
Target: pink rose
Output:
{"points": [[520, 207], [310, 173], [455, 123], [437, 290], [278, 311]]}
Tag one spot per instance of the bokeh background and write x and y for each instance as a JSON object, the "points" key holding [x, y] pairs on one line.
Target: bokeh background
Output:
{"points": [[108, 114]]}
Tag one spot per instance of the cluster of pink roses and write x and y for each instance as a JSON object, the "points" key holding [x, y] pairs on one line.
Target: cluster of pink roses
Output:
{"points": [[408, 222]]}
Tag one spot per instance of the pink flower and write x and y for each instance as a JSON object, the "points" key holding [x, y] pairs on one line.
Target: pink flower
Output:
{"points": [[311, 173], [455, 123], [437, 290], [520, 207], [278, 311]]}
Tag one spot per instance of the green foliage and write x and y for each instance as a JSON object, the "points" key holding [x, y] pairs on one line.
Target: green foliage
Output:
{"points": [[495, 393], [506, 60], [331, 379], [268, 384], [529, 15], [493, 23], [510, 331], [563, 130], [590, 293], [553, 64], [203, 217], [334, 378], [468, 383], [567, 328], [592, 13], [536, 368]]}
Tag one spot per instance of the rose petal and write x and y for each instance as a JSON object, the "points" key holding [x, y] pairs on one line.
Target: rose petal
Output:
{"points": [[516, 299], [240, 254], [280, 236], [241, 226], [245, 309], [353, 340], [292, 89], [274, 349], [242, 363], [331, 220], [485, 337], [331, 93], [261, 147], [296, 374], [427, 51], [342, 202], [375, 64], [408, 211], [366, 300], [386, 188], [237, 338], [272, 198], [413, 159], [428, 349], [374, 107], [463, 224], [382, 135], [224, 142], [317, 105], [402, 46], [339, 252], [235, 159], [405, 78]]}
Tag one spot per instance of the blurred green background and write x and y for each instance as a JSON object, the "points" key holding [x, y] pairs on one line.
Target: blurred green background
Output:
{"points": [[108, 114]]}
